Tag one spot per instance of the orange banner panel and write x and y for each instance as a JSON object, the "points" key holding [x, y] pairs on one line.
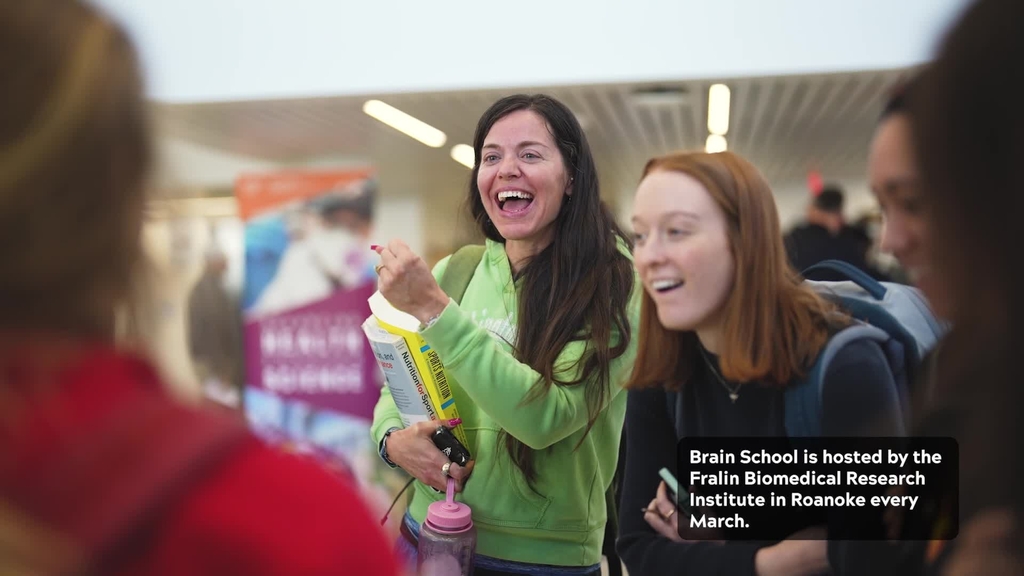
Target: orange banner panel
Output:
{"points": [[261, 193]]}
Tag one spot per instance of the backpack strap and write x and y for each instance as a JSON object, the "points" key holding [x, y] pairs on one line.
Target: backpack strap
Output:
{"points": [[177, 450], [119, 479], [804, 399], [459, 272], [873, 287]]}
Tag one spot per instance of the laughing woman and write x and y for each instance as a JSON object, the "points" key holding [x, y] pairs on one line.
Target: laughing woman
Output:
{"points": [[726, 325], [538, 348]]}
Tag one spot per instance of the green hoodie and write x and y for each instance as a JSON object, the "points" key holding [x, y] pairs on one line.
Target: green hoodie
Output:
{"points": [[562, 523]]}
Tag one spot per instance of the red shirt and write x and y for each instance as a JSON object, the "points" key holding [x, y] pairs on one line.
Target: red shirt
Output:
{"points": [[97, 451]]}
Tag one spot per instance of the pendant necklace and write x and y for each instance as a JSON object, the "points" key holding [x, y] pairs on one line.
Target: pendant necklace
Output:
{"points": [[734, 394]]}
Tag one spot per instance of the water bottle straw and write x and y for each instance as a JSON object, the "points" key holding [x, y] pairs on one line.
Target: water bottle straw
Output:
{"points": [[450, 490]]}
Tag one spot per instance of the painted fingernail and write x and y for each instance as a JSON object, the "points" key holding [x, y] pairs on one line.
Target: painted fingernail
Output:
{"points": [[455, 422], [374, 247]]}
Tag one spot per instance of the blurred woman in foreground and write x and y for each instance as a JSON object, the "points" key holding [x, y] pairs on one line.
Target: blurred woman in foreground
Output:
{"points": [[968, 127], [100, 470]]}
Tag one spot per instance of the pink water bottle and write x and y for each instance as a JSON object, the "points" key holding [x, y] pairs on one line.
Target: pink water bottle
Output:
{"points": [[447, 538]]}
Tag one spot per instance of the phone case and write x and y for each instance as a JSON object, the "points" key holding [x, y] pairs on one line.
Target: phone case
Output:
{"points": [[670, 480], [682, 498], [447, 442]]}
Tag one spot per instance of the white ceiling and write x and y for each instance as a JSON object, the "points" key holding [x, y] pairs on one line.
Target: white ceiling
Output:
{"points": [[203, 51], [784, 125]]}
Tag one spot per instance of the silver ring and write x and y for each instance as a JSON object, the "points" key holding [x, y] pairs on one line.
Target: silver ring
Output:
{"points": [[444, 469]]}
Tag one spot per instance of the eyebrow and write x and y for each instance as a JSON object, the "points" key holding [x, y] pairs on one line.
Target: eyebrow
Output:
{"points": [[520, 145], [685, 214], [898, 182]]}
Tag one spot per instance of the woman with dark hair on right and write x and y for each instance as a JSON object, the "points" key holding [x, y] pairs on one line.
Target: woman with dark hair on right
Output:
{"points": [[894, 175], [968, 128], [102, 471], [944, 165]]}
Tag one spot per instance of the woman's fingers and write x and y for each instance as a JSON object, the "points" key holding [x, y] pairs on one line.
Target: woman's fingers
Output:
{"points": [[414, 451], [662, 526], [666, 505]]}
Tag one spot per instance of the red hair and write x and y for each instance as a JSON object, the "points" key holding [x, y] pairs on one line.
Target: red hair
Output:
{"points": [[773, 325]]}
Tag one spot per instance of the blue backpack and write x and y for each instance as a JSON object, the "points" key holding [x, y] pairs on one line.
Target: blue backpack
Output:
{"points": [[895, 316]]}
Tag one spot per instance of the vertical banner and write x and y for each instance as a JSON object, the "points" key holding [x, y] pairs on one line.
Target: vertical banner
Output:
{"points": [[311, 378]]}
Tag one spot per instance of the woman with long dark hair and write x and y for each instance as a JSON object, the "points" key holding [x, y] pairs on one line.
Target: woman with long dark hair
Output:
{"points": [[968, 129], [538, 348], [945, 163]]}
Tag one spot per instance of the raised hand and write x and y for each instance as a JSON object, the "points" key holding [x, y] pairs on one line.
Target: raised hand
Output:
{"points": [[407, 283]]}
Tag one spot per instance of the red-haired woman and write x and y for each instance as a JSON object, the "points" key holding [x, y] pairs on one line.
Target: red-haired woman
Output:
{"points": [[727, 325]]}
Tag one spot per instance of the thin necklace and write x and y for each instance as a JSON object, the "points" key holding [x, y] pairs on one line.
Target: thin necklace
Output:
{"points": [[733, 394]]}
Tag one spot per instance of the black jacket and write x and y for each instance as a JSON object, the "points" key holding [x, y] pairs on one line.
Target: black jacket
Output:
{"points": [[809, 244], [857, 378]]}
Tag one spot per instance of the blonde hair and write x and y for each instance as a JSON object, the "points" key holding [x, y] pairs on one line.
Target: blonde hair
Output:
{"points": [[74, 156]]}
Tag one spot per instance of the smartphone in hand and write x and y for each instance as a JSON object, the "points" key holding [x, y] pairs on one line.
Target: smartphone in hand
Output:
{"points": [[682, 499]]}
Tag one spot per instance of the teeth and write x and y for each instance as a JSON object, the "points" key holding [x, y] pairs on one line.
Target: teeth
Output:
{"points": [[502, 196], [665, 284]]}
